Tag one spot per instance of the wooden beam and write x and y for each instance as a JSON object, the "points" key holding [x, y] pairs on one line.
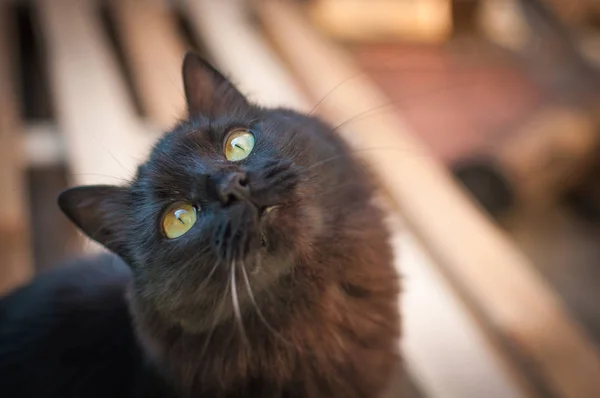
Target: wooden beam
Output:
{"points": [[44, 145], [438, 358], [491, 272], [443, 345], [105, 141], [271, 85], [15, 255], [154, 49]]}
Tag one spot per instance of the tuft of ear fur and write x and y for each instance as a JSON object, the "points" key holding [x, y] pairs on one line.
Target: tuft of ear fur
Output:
{"points": [[99, 211], [207, 91]]}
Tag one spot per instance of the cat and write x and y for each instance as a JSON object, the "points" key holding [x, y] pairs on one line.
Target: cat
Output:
{"points": [[252, 262]]}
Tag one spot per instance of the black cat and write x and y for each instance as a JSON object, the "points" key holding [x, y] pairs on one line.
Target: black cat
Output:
{"points": [[257, 266]]}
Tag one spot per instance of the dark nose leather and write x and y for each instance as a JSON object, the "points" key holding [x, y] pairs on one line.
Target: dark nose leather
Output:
{"points": [[233, 187]]}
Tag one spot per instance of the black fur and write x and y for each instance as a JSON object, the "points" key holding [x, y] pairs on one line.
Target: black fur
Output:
{"points": [[69, 334], [284, 288]]}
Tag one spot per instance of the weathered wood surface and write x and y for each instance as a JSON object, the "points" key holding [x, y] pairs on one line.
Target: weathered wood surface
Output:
{"points": [[154, 49], [105, 140]]}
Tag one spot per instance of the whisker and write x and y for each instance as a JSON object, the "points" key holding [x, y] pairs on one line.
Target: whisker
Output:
{"points": [[236, 304], [214, 323], [257, 308], [206, 280], [330, 92], [402, 104], [384, 65], [99, 175], [335, 157], [391, 105]]}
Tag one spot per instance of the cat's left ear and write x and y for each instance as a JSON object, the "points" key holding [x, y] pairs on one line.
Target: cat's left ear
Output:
{"points": [[207, 91], [99, 211]]}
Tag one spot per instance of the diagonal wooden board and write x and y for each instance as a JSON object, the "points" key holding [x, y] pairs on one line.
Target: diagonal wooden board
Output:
{"points": [[477, 256], [239, 51], [15, 254], [104, 138], [154, 49], [443, 345], [457, 363]]}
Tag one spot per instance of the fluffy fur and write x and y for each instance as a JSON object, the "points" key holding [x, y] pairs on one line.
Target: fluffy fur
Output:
{"points": [[284, 287]]}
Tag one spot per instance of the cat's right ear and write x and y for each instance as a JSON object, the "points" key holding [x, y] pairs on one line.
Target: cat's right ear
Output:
{"points": [[99, 211], [207, 91]]}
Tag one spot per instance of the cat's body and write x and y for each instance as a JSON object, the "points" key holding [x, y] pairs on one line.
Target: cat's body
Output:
{"points": [[68, 334], [277, 281]]}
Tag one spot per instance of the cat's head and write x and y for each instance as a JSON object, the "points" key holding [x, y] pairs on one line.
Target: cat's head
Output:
{"points": [[235, 195]]}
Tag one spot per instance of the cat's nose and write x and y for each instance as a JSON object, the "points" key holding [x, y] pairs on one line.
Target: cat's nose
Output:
{"points": [[233, 187]]}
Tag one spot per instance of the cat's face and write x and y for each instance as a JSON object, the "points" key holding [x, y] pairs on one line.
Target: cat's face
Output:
{"points": [[234, 196]]}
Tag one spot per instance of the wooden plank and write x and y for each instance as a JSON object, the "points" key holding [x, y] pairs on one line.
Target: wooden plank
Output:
{"points": [[376, 20], [43, 145], [479, 257], [438, 359], [154, 49], [441, 334], [15, 255], [271, 85], [105, 141]]}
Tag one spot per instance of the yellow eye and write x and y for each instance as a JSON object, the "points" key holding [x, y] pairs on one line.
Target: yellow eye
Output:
{"points": [[239, 144], [178, 219]]}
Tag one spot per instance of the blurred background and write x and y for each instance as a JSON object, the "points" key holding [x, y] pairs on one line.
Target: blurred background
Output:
{"points": [[489, 109]]}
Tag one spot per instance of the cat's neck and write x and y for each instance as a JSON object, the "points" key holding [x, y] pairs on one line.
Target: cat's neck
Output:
{"points": [[307, 338]]}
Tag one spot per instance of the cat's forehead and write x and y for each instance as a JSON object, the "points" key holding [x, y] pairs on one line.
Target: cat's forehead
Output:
{"points": [[197, 145], [206, 135]]}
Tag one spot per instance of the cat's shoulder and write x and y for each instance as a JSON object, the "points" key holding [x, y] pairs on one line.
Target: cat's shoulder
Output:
{"points": [[78, 283], [67, 325]]}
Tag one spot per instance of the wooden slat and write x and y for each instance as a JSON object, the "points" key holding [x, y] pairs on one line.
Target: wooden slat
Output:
{"points": [[44, 145], [105, 141], [271, 85], [15, 255], [480, 258], [442, 342], [154, 50], [437, 358]]}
